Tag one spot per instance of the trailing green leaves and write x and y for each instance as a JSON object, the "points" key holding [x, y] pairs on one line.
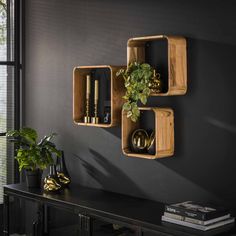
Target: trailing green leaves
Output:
{"points": [[30, 154], [137, 77]]}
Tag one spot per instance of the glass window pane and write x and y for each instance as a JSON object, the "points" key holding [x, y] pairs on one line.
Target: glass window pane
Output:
{"points": [[6, 123], [6, 98], [3, 30], [3, 166], [6, 30]]}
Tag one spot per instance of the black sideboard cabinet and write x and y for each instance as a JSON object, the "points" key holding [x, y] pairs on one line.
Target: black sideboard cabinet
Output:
{"points": [[94, 212]]}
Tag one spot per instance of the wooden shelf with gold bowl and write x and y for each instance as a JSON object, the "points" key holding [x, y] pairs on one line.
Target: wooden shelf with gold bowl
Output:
{"points": [[116, 87], [164, 133], [177, 60]]}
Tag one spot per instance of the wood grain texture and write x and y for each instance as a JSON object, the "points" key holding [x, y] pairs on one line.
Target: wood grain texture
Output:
{"points": [[177, 60], [164, 133], [79, 86]]}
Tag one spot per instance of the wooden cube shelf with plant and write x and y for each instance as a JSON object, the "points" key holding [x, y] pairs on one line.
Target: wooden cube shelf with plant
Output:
{"points": [[117, 91], [177, 60], [163, 133]]}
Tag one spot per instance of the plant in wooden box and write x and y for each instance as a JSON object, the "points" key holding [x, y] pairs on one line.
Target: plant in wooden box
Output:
{"points": [[31, 155], [140, 80]]}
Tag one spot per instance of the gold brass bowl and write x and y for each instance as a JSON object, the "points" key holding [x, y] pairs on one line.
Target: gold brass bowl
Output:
{"points": [[143, 142], [140, 140]]}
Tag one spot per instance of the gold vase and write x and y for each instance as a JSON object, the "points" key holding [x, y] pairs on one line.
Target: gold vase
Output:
{"points": [[52, 182], [62, 172]]}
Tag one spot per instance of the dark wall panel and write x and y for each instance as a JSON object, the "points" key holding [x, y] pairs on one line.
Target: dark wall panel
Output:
{"points": [[63, 34]]}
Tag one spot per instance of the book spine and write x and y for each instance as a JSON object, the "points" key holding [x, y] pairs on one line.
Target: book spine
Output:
{"points": [[195, 226], [186, 213], [195, 221], [187, 224], [184, 218]]}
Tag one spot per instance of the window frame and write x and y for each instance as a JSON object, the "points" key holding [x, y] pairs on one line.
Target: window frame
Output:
{"points": [[17, 64]]}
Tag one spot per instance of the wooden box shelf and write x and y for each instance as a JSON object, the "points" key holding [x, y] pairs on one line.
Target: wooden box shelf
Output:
{"points": [[79, 94], [164, 133], [177, 60]]}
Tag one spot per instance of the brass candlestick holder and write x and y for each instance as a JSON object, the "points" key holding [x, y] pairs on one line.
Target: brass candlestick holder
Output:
{"points": [[95, 118], [156, 84], [87, 118]]}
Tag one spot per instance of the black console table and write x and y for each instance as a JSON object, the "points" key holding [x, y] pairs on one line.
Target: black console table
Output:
{"points": [[142, 215]]}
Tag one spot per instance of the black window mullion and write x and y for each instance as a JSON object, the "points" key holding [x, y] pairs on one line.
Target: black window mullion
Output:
{"points": [[17, 73], [17, 21]]}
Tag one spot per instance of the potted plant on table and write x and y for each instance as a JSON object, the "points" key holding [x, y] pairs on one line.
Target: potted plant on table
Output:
{"points": [[31, 155], [140, 80]]}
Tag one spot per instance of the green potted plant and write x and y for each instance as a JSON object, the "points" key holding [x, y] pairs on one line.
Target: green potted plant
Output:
{"points": [[138, 79], [31, 155]]}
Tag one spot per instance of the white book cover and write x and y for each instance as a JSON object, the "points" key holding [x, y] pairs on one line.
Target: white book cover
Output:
{"points": [[196, 226]]}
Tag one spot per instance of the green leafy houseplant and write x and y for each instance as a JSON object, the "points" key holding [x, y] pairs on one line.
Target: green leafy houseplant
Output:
{"points": [[137, 78], [30, 154]]}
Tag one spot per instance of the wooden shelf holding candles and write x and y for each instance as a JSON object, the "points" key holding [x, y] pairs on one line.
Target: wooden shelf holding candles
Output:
{"points": [[177, 60], [163, 130], [81, 92]]}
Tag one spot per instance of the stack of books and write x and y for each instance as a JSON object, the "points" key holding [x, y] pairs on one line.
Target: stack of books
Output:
{"points": [[197, 216]]}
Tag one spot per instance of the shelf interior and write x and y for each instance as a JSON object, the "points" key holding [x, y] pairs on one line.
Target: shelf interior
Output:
{"points": [[146, 122], [103, 75]]}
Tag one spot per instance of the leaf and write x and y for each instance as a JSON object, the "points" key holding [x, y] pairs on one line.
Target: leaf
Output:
{"points": [[134, 118], [29, 133], [135, 96], [50, 144], [146, 91], [46, 139], [136, 111], [145, 66], [120, 72], [143, 98], [12, 133], [127, 84], [129, 114], [127, 106], [52, 149], [51, 136], [134, 105]]}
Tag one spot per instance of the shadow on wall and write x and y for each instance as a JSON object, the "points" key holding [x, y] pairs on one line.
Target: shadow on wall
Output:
{"points": [[110, 177], [221, 125], [116, 131], [205, 121]]}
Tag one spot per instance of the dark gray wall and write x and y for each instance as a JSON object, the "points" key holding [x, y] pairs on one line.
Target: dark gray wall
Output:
{"points": [[63, 34]]}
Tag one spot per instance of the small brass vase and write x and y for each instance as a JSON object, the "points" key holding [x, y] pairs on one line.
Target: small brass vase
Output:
{"points": [[52, 182], [62, 171]]}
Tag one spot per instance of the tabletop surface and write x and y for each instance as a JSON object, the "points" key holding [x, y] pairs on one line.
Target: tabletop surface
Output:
{"points": [[96, 202]]}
